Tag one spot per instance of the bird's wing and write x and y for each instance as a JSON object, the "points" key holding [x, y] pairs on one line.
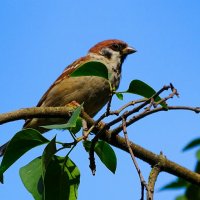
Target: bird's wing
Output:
{"points": [[68, 70]]}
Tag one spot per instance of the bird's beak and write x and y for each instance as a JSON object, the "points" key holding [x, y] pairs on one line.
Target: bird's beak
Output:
{"points": [[128, 50]]}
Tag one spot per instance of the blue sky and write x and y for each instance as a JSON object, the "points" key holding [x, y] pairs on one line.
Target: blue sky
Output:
{"points": [[40, 38]]}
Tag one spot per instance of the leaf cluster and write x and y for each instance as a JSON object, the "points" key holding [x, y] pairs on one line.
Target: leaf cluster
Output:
{"points": [[50, 176]]}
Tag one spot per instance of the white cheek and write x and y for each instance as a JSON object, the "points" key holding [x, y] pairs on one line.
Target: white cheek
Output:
{"points": [[114, 69], [113, 65]]}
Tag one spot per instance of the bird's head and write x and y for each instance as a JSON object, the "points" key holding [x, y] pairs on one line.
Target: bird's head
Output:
{"points": [[112, 50], [112, 53]]}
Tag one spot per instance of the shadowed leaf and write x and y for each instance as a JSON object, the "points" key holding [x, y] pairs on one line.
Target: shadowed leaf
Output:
{"points": [[193, 192], [178, 183], [192, 144], [61, 179], [21, 142], [47, 155], [92, 68], [105, 153]]}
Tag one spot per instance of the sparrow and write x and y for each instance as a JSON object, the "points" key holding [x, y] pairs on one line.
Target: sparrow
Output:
{"points": [[93, 91]]}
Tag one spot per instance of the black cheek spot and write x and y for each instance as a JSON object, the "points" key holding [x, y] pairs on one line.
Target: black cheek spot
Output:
{"points": [[107, 54]]}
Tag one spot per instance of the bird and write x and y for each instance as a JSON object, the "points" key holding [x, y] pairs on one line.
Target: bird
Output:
{"points": [[93, 91]]}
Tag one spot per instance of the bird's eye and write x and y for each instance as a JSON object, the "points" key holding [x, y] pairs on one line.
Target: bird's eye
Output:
{"points": [[116, 47]]}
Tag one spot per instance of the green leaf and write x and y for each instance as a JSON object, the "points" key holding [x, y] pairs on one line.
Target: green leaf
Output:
{"points": [[47, 155], [31, 176], [73, 119], [87, 145], [105, 153], [198, 154], [193, 192], [178, 183], [182, 197], [92, 68], [119, 95], [1, 178], [78, 126], [61, 180], [140, 88], [197, 167], [22, 142], [71, 122], [192, 144]]}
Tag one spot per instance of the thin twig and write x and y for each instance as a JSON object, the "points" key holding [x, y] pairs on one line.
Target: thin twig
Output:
{"points": [[174, 93], [109, 104], [146, 113], [142, 191], [108, 112], [138, 108], [143, 182], [131, 103], [148, 110]]}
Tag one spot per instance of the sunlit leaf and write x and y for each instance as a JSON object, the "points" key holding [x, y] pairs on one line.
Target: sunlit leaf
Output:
{"points": [[119, 95], [78, 126], [31, 176], [140, 88], [71, 122]]}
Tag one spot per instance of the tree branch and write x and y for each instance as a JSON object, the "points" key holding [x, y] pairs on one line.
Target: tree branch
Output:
{"points": [[153, 159], [108, 136], [152, 180], [36, 112]]}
